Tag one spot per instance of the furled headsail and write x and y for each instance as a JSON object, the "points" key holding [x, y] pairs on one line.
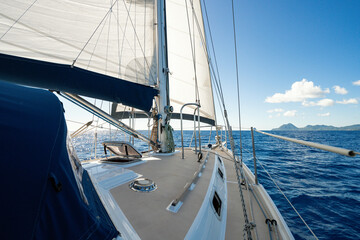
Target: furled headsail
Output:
{"points": [[101, 49], [189, 78]]}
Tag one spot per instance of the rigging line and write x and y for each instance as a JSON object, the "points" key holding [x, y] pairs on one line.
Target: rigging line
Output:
{"points": [[144, 40], [194, 38], [18, 19], [107, 42], [239, 176], [203, 40], [218, 84], [204, 45], [219, 102], [216, 77], [94, 114], [118, 37], [109, 11], [109, 123], [123, 35], [136, 72], [96, 43], [211, 39], [208, 58], [237, 77], [37, 31], [137, 37], [82, 123], [277, 186], [192, 52], [95, 133]]}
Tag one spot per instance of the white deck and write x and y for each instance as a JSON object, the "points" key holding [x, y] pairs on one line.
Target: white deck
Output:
{"points": [[147, 214]]}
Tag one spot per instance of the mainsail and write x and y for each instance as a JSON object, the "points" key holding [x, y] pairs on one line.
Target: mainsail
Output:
{"points": [[189, 78], [101, 49]]}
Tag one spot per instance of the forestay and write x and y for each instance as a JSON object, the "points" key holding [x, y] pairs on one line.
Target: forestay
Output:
{"points": [[116, 39]]}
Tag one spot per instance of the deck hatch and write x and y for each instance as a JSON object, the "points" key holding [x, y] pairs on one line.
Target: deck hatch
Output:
{"points": [[217, 203], [143, 185]]}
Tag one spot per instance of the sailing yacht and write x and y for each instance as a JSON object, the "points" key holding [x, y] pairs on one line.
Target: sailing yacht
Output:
{"points": [[145, 55]]}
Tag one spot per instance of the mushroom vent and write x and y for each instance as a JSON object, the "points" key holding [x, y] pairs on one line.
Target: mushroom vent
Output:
{"points": [[143, 185]]}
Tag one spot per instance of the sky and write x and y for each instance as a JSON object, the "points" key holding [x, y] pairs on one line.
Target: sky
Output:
{"points": [[298, 62]]}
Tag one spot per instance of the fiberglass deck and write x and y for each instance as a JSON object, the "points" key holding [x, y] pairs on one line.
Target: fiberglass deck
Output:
{"points": [[148, 214]]}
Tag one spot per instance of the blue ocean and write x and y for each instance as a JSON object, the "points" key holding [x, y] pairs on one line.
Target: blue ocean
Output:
{"points": [[324, 187]]}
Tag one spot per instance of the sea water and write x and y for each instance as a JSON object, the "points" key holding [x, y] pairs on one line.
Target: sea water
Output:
{"points": [[324, 187]]}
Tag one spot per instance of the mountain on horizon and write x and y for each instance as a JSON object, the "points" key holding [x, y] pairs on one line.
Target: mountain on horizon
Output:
{"points": [[292, 127]]}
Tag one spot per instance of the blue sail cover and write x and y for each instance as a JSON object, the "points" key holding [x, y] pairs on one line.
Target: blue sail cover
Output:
{"points": [[41, 197], [61, 77]]}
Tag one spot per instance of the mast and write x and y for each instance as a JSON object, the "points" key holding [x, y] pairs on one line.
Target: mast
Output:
{"points": [[163, 99]]}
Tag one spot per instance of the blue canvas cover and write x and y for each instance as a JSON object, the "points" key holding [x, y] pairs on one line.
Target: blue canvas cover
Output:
{"points": [[41, 197], [75, 80]]}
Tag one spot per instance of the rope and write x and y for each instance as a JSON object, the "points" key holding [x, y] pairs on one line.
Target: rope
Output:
{"points": [[109, 11], [136, 36], [238, 176], [277, 186], [212, 44], [107, 42], [193, 53], [96, 44], [237, 77]]}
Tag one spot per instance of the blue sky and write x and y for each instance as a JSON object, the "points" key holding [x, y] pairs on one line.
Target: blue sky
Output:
{"points": [[299, 61]]}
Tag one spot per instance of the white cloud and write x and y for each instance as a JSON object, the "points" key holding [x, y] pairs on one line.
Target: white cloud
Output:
{"points": [[340, 90], [326, 102], [348, 101], [357, 83], [324, 114], [308, 104], [299, 91], [291, 113], [275, 110]]}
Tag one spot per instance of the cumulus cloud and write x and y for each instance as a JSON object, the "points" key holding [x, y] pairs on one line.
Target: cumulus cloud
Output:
{"points": [[348, 101], [340, 90], [291, 113], [357, 83], [324, 114], [326, 102], [299, 91], [275, 110]]}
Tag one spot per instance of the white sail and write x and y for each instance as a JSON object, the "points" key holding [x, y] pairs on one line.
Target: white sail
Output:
{"points": [[184, 22], [115, 38], [189, 78]]}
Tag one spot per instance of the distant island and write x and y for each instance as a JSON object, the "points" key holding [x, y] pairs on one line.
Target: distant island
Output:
{"points": [[292, 127]]}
